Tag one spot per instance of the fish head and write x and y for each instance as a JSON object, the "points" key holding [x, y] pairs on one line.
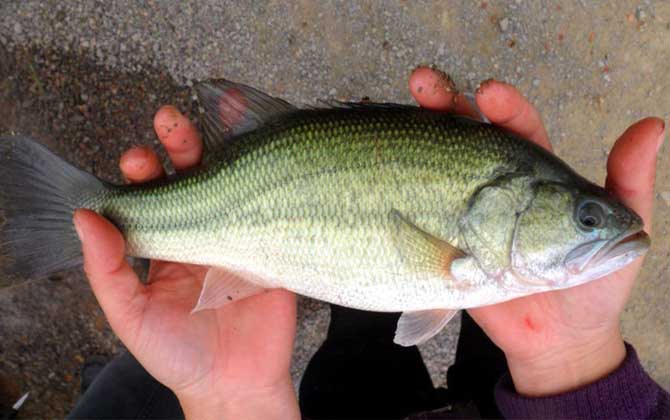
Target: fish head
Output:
{"points": [[571, 235]]}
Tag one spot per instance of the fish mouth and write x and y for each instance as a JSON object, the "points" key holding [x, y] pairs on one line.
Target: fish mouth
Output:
{"points": [[601, 257]]}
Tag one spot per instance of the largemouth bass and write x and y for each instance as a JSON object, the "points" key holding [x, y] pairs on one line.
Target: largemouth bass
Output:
{"points": [[379, 207]]}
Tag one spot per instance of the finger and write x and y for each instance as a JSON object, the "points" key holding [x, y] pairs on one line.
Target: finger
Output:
{"points": [[140, 164], [631, 166], [115, 284], [434, 89], [179, 137], [232, 106], [503, 105]]}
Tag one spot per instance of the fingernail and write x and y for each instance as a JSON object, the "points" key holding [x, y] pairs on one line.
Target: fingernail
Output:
{"points": [[171, 111], [661, 137], [482, 85], [444, 80], [80, 231], [167, 119]]}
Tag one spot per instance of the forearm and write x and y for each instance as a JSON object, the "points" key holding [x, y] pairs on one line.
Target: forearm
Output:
{"points": [[277, 403]]}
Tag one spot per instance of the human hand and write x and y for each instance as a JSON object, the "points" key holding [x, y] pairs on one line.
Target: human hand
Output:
{"points": [[560, 340], [230, 362]]}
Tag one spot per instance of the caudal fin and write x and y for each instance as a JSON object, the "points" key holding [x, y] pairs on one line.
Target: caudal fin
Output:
{"points": [[38, 195]]}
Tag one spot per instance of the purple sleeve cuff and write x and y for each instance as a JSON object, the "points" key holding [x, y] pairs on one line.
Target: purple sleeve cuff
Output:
{"points": [[626, 393]]}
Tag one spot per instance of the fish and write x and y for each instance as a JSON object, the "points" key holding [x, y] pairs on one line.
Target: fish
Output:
{"points": [[374, 206]]}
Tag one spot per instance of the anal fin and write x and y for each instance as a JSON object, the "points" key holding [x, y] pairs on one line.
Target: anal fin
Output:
{"points": [[223, 286], [417, 327]]}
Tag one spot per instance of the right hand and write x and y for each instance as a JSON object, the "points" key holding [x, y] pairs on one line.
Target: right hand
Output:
{"points": [[560, 340], [230, 362]]}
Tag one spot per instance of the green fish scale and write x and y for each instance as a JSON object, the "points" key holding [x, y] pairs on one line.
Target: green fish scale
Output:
{"points": [[331, 173]]}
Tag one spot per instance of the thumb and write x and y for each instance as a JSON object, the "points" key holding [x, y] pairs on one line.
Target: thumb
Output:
{"points": [[114, 283], [631, 167], [631, 172]]}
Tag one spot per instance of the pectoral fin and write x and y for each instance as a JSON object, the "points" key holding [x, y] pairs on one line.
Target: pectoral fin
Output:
{"points": [[422, 251], [223, 286], [416, 327]]}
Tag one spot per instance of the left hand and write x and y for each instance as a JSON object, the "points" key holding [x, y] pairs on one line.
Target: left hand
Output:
{"points": [[230, 362]]}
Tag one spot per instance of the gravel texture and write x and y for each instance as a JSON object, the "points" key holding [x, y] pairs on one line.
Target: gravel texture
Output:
{"points": [[86, 78]]}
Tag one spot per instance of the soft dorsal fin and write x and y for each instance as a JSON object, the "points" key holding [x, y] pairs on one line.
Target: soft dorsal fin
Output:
{"points": [[233, 108]]}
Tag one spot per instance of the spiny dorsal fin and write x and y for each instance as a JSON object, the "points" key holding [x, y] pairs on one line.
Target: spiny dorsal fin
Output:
{"points": [[422, 251], [364, 105], [233, 108]]}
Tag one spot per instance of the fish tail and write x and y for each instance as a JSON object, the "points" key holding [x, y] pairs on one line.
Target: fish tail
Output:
{"points": [[39, 192]]}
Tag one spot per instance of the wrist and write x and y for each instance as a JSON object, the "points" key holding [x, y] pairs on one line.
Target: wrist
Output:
{"points": [[276, 402], [567, 368]]}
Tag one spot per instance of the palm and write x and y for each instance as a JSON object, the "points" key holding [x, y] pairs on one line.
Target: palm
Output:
{"points": [[185, 350], [238, 347], [536, 324]]}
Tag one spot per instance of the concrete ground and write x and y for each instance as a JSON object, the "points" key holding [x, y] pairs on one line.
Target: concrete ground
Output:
{"points": [[86, 77]]}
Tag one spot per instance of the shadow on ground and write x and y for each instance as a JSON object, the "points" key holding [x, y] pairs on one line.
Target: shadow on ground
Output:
{"points": [[89, 114]]}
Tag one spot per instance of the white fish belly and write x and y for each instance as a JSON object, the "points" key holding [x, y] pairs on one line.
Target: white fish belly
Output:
{"points": [[366, 273]]}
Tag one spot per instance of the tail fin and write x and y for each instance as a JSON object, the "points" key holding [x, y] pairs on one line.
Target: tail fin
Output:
{"points": [[38, 195]]}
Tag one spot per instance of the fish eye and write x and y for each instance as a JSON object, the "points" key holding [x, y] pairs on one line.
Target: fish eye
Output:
{"points": [[590, 215]]}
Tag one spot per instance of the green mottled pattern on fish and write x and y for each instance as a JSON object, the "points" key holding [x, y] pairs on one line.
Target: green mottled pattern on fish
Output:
{"points": [[306, 201]]}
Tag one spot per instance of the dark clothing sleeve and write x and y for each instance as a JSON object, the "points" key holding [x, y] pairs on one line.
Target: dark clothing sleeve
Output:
{"points": [[125, 390], [626, 393]]}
